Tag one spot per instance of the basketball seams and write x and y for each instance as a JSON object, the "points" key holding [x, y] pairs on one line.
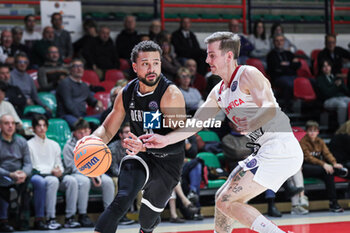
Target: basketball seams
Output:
{"points": [[103, 157], [90, 156]]}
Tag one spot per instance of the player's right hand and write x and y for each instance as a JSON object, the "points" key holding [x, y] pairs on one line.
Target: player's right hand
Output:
{"points": [[154, 140], [84, 139]]}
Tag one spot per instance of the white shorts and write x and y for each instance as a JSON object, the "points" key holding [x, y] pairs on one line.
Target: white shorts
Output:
{"points": [[278, 158]]}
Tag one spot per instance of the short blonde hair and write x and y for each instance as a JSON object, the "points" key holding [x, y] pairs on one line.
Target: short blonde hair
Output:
{"points": [[228, 42]]}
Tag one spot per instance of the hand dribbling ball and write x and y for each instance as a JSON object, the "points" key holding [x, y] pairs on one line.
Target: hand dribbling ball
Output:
{"points": [[92, 158]]}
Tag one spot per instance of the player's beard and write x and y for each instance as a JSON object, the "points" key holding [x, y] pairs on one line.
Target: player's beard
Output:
{"points": [[148, 83]]}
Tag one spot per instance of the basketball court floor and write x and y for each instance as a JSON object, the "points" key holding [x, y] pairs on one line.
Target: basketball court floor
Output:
{"points": [[314, 222]]}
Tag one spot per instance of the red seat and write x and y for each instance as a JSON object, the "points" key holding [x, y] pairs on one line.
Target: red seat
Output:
{"points": [[298, 132], [315, 67], [257, 64], [103, 97], [304, 70], [107, 85], [91, 77], [303, 89], [300, 52], [34, 75], [124, 64], [114, 75], [314, 54]]}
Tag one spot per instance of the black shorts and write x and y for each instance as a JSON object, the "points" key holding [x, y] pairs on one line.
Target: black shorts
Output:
{"points": [[162, 175]]}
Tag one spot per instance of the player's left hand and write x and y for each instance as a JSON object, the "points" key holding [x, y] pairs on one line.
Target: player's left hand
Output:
{"points": [[338, 165], [133, 144]]}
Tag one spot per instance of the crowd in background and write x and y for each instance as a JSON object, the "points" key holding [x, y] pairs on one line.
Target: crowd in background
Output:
{"points": [[29, 171]]}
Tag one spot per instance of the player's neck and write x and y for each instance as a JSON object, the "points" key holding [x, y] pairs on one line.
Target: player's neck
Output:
{"points": [[144, 89], [228, 72]]}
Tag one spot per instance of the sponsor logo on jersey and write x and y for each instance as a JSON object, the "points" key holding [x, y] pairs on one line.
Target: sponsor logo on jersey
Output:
{"points": [[89, 164], [151, 120], [153, 105], [233, 104], [234, 86], [132, 104]]}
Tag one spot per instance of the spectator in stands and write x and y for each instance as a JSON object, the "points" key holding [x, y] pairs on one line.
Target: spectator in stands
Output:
{"points": [[118, 150], [62, 40], [73, 94], [187, 46], [103, 182], [333, 91], [127, 38], [277, 29], [170, 65], [101, 55], [52, 71], [38, 53], [335, 54], [17, 34], [319, 162], [13, 93], [187, 204], [15, 165], [29, 33], [193, 98], [144, 37], [282, 68], [90, 30], [246, 46], [21, 79], [6, 108], [155, 29], [45, 155], [340, 146], [260, 42], [197, 80], [7, 52]]}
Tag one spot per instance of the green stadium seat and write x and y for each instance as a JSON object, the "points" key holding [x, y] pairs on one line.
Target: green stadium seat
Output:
{"points": [[346, 18], [338, 18], [34, 109], [313, 17], [171, 16], [273, 17], [144, 16], [229, 16], [312, 181], [119, 15], [191, 16], [209, 136], [49, 100], [292, 17], [58, 131], [210, 160], [210, 16], [221, 156], [92, 120], [216, 183], [257, 17]]}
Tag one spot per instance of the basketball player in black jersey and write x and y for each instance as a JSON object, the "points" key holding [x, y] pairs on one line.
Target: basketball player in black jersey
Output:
{"points": [[156, 171]]}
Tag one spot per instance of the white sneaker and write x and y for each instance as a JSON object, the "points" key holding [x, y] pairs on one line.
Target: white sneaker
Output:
{"points": [[299, 210], [304, 201]]}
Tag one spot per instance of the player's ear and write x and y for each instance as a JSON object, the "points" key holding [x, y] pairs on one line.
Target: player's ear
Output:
{"points": [[134, 67], [230, 55]]}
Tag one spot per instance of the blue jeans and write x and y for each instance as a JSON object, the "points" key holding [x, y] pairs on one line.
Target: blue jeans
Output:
{"points": [[269, 194], [195, 178], [39, 188]]}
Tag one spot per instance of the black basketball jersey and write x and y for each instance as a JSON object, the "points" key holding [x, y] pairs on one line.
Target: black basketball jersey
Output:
{"points": [[140, 108]]}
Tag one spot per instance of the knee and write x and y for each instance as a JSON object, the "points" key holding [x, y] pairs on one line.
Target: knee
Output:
{"points": [[38, 182], [52, 181], [70, 181]]}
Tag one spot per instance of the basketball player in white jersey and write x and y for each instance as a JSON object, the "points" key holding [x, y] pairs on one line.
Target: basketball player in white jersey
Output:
{"points": [[246, 97]]}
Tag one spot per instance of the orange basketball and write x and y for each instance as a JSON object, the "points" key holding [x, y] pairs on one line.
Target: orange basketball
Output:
{"points": [[92, 158]]}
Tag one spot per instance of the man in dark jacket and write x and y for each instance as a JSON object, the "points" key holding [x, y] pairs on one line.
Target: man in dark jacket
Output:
{"points": [[186, 45], [127, 38], [333, 53], [282, 67], [100, 53]]}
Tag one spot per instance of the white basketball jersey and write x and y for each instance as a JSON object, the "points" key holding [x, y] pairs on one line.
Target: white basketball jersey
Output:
{"points": [[237, 104]]}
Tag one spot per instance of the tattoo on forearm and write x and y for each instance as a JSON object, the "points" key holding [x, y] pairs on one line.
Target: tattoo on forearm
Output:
{"points": [[236, 188], [225, 198]]}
